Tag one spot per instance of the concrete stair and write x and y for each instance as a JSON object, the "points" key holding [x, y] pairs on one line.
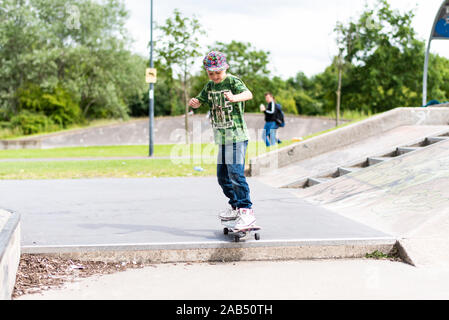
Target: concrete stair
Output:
{"points": [[376, 160], [315, 181], [370, 161], [403, 150], [343, 171], [432, 140]]}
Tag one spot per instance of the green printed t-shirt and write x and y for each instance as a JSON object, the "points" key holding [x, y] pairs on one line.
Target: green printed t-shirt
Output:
{"points": [[226, 117]]}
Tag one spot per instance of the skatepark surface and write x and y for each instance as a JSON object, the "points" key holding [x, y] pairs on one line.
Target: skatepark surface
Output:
{"points": [[105, 215], [397, 203], [175, 219]]}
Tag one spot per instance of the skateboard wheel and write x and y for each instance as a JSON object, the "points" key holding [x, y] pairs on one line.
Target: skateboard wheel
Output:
{"points": [[236, 239], [226, 231], [257, 236]]}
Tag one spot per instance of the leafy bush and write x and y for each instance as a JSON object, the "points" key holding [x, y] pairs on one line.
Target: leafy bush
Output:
{"points": [[57, 105], [60, 107], [31, 123], [5, 125], [287, 100], [307, 105]]}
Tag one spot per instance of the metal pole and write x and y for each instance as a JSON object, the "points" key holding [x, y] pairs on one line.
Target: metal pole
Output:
{"points": [[151, 93], [340, 71], [426, 67], [426, 61]]}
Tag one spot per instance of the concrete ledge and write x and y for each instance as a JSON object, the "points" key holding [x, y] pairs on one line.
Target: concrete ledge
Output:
{"points": [[9, 252], [347, 135], [20, 144], [221, 251], [441, 105]]}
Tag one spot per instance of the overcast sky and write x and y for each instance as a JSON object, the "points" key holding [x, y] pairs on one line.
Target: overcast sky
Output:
{"points": [[298, 33]]}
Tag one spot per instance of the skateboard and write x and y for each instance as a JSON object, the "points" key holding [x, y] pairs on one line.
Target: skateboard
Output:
{"points": [[240, 234]]}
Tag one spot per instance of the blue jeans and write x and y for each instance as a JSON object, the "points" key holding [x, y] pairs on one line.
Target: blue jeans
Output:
{"points": [[269, 133], [231, 174]]}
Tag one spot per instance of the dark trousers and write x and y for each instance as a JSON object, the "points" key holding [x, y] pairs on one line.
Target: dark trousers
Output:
{"points": [[231, 174], [269, 133]]}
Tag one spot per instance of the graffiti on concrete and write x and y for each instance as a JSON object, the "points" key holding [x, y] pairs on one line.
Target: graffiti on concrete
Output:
{"points": [[417, 182]]}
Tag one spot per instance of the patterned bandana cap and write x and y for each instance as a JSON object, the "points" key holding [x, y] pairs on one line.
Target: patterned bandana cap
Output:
{"points": [[215, 61]]}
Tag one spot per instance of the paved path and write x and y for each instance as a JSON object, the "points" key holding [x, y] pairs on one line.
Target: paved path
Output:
{"points": [[330, 279], [102, 159]]}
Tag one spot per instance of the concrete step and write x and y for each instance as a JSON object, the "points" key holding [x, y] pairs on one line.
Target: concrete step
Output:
{"points": [[344, 170], [403, 150], [314, 181], [432, 140], [376, 160]]}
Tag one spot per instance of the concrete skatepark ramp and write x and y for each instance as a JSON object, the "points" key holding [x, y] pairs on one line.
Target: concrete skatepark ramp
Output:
{"points": [[168, 130], [354, 157], [407, 197], [393, 180]]}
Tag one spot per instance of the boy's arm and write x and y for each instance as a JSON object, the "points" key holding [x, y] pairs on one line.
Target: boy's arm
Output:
{"points": [[196, 102], [242, 93], [244, 96]]}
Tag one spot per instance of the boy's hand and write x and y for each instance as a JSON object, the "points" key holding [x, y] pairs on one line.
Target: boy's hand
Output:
{"points": [[194, 103], [228, 95]]}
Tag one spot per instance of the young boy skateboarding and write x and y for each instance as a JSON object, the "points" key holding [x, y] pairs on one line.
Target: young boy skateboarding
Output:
{"points": [[225, 95]]}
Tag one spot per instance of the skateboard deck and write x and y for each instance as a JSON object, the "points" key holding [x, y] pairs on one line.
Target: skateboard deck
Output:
{"points": [[229, 229]]}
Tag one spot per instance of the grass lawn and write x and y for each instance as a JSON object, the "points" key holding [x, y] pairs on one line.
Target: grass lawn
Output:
{"points": [[179, 161], [161, 150], [170, 160], [100, 169]]}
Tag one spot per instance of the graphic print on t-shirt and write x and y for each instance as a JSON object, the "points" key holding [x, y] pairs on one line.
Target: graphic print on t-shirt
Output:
{"points": [[221, 112]]}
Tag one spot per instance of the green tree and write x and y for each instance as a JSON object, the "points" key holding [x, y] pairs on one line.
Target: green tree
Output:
{"points": [[75, 52], [251, 65], [244, 59], [438, 75], [178, 47], [386, 58], [97, 66], [300, 82], [21, 35], [287, 99], [139, 103]]}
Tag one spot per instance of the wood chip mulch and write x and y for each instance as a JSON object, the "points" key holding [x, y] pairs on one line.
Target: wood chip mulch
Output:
{"points": [[38, 272]]}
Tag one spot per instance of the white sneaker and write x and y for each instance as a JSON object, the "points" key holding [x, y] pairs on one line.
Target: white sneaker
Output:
{"points": [[229, 215], [246, 219]]}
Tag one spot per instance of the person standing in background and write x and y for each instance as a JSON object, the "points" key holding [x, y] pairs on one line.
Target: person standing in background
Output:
{"points": [[269, 130]]}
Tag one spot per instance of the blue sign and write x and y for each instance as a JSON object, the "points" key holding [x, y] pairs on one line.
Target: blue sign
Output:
{"points": [[441, 30]]}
